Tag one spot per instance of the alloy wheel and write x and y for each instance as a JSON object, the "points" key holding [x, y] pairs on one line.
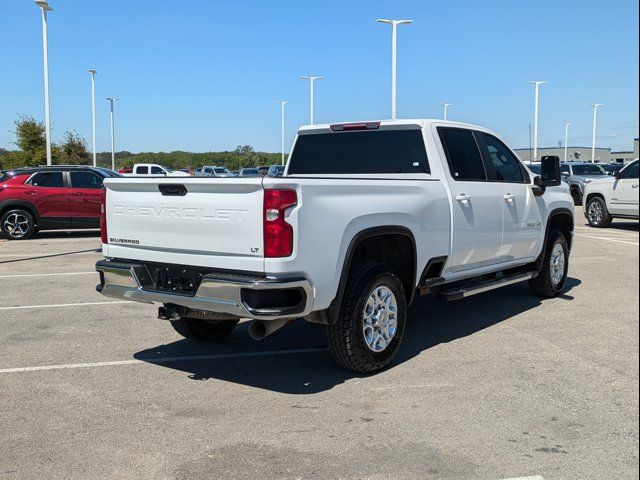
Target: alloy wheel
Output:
{"points": [[558, 261], [380, 319], [16, 225]]}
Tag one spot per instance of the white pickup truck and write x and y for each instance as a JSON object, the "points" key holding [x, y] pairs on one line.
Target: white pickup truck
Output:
{"points": [[152, 169], [366, 216]]}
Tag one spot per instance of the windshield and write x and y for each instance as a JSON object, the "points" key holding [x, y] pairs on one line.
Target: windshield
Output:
{"points": [[250, 171], [588, 170]]}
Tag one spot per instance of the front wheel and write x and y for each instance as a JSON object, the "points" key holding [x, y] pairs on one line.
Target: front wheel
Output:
{"points": [[204, 330], [552, 277], [597, 213], [17, 225], [369, 330]]}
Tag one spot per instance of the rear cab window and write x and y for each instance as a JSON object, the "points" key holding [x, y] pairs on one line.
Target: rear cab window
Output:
{"points": [[142, 170], [463, 154], [359, 152]]}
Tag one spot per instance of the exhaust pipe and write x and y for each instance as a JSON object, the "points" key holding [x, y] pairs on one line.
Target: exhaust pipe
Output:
{"points": [[260, 329]]}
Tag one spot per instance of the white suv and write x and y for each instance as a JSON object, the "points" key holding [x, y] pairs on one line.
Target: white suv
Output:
{"points": [[614, 197]]}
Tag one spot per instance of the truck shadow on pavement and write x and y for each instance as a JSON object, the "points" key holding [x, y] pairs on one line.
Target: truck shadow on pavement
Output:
{"points": [[430, 322]]}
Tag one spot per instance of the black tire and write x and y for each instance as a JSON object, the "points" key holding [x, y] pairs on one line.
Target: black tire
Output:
{"points": [[597, 213], [17, 224], [346, 338], [576, 194], [544, 285], [204, 330]]}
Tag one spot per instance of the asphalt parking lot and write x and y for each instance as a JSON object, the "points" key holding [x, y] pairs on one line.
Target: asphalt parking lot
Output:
{"points": [[495, 386]]}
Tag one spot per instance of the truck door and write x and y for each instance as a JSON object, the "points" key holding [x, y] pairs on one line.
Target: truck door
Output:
{"points": [[624, 193], [522, 229], [477, 208]]}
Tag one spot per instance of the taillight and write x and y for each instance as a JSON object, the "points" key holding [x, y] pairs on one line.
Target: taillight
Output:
{"points": [[103, 216], [278, 234]]}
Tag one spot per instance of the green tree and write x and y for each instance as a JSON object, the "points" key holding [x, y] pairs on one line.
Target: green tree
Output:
{"points": [[73, 150], [31, 140]]}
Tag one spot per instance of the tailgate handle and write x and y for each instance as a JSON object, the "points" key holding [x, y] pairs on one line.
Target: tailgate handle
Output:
{"points": [[171, 190]]}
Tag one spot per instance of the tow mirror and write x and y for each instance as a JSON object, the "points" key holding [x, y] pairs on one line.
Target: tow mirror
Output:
{"points": [[550, 175]]}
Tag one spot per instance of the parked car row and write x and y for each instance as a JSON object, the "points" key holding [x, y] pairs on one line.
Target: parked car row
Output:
{"points": [[580, 174], [148, 169]]}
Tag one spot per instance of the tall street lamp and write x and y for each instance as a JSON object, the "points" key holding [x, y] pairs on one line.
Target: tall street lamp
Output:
{"points": [[311, 93], [595, 125], [113, 137], [93, 113], [394, 49], [566, 140], [282, 104], [445, 107], [537, 84], [44, 8]]}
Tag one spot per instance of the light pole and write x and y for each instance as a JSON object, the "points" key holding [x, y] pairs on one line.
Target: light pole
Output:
{"points": [[445, 107], [44, 8], [311, 93], [595, 125], [394, 49], [93, 113], [566, 140], [113, 137], [282, 104], [537, 84]]}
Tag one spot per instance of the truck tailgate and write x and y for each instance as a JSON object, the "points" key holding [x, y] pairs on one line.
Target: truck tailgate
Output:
{"points": [[208, 222]]}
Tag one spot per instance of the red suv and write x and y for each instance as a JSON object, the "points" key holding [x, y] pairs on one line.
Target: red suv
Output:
{"points": [[50, 198]]}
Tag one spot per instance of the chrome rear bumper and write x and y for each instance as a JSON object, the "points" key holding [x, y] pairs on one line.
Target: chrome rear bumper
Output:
{"points": [[218, 292]]}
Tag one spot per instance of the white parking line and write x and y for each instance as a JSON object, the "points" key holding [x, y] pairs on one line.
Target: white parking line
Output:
{"points": [[535, 477], [26, 307], [48, 274], [162, 360], [607, 239]]}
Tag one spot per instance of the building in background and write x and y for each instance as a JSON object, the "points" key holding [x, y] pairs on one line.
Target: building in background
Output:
{"points": [[574, 154], [582, 154], [627, 155]]}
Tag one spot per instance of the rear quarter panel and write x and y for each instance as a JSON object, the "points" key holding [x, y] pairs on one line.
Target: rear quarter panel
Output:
{"points": [[332, 211]]}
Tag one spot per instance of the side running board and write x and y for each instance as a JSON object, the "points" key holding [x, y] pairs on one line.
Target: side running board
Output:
{"points": [[458, 293]]}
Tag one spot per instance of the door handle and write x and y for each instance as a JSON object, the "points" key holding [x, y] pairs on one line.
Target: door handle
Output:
{"points": [[464, 199], [509, 197]]}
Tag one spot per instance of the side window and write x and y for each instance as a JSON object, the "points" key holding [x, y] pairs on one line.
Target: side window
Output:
{"points": [[47, 179], [502, 165], [85, 180], [463, 155], [631, 171], [142, 170], [157, 171]]}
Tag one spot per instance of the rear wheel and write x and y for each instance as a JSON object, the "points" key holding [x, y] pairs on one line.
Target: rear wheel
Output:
{"points": [[203, 330], [17, 224], [368, 333], [552, 277], [597, 213]]}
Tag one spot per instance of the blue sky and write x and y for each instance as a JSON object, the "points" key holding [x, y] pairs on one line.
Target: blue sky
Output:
{"points": [[203, 75]]}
